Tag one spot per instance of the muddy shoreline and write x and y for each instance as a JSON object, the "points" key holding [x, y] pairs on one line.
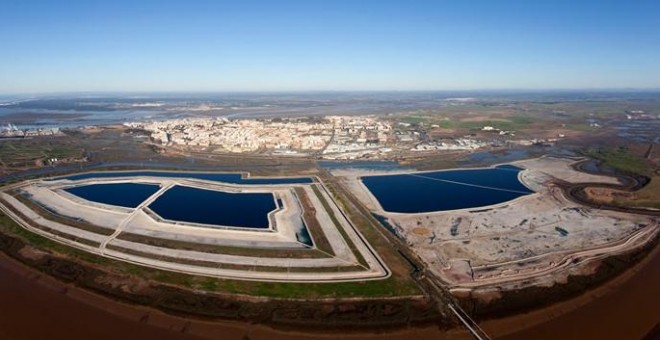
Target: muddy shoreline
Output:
{"points": [[628, 302], [327, 314], [129, 318], [106, 317], [529, 299]]}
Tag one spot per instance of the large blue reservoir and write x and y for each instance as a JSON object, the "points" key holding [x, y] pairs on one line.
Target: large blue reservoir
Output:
{"points": [[186, 204], [128, 195], [446, 190]]}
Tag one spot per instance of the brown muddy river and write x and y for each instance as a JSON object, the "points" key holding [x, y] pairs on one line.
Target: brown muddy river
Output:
{"points": [[617, 310], [37, 307]]}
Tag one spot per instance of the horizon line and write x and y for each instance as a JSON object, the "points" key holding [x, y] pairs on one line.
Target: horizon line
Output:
{"points": [[312, 91]]}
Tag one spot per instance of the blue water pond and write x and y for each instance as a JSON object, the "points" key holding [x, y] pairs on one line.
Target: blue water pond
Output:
{"points": [[232, 178], [128, 195], [194, 205], [446, 190]]}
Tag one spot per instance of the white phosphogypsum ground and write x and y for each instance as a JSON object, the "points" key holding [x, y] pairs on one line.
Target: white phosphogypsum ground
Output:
{"points": [[538, 238], [239, 254]]}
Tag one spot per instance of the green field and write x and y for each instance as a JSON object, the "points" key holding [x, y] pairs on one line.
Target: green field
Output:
{"points": [[647, 197], [25, 150], [620, 159], [508, 123]]}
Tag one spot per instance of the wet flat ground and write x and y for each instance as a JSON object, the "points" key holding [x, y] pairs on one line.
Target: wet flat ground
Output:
{"points": [[626, 311], [32, 310]]}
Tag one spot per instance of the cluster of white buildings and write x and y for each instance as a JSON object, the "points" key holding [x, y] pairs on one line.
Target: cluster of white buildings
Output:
{"points": [[456, 144], [331, 137], [360, 129], [11, 131], [280, 135], [501, 132], [245, 135], [357, 137]]}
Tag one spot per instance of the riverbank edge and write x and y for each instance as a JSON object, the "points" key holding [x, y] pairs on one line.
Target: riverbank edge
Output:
{"points": [[530, 299], [521, 322], [85, 276], [324, 314]]}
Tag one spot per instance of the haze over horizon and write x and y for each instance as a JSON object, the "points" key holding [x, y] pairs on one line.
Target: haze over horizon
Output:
{"points": [[189, 46]]}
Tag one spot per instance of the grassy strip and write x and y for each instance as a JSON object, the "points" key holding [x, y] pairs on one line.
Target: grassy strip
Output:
{"points": [[505, 123], [400, 279], [379, 288], [50, 230], [309, 215], [218, 249], [646, 197], [71, 222], [20, 152], [339, 227], [233, 266]]}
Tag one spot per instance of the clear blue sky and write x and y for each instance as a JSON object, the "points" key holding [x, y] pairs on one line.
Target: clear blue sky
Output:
{"points": [[117, 45]]}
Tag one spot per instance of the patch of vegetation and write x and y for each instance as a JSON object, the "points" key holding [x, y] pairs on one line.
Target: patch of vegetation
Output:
{"points": [[581, 127], [446, 124], [54, 216], [506, 123], [221, 249], [23, 152], [387, 287], [477, 125], [647, 197], [369, 227], [233, 266], [210, 284], [621, 159], [379, 288], [347, 239], [7, 225], [52, 231], [521, 120], [309, 217], [415, 120]]}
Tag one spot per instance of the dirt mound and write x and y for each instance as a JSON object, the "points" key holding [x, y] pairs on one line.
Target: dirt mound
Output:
{"points": [[606, 195], [421, 231]]}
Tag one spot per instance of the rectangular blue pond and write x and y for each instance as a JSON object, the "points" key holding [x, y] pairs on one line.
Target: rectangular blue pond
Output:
{"points": [[209, 176], [186, 204], [446, 190], [128, 195]]}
